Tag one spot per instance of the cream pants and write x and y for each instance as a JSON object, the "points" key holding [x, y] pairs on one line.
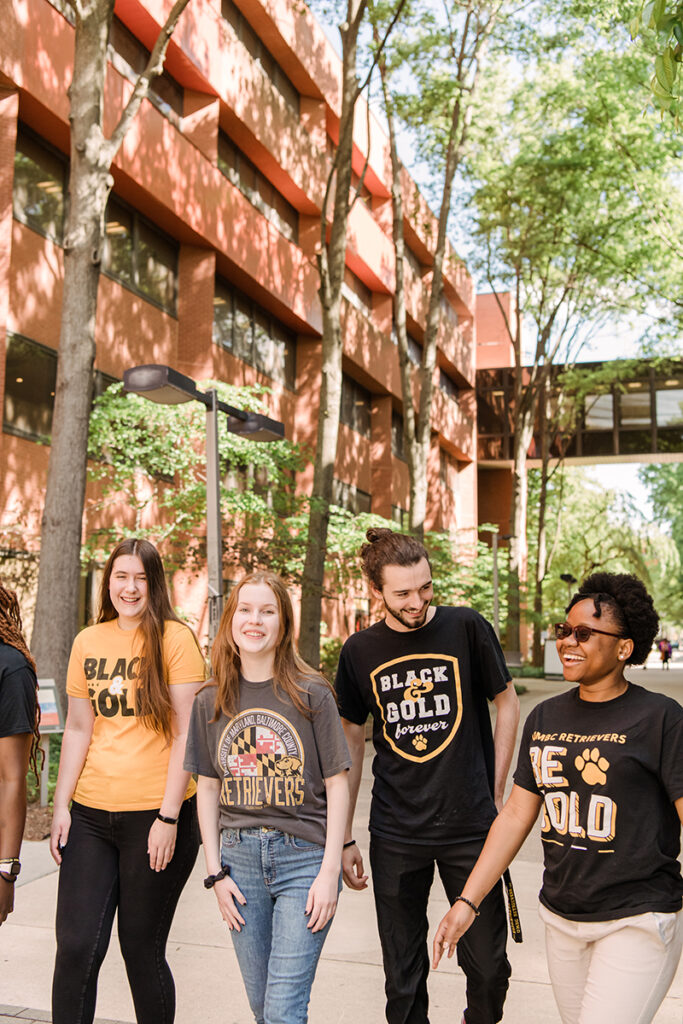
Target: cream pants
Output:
{"points": [[612, 971]]}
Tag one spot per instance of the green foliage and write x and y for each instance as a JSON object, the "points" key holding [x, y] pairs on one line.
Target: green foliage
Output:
{"points": [[153, 458], [330, 648], [660, 25], [665, 484]]}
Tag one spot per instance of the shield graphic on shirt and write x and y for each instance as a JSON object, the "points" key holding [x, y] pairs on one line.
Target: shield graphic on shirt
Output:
{"points": [[420, 701], [256, 743]]}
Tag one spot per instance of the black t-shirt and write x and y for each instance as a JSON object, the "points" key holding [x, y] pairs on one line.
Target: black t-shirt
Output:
{"points": [[427, 691], [608, 773], [17, 692]]}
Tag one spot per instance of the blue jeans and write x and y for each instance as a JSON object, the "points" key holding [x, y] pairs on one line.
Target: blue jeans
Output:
{"points": [[277, 954]]}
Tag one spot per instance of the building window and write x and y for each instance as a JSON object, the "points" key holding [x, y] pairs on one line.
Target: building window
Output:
{"points": [[256, 187], [253, 335], [357, 293], [138, 255], [397, 442], [129, 56], [39, 185], [355, 406], [30, 380], [401, 517], [257, 49], [413, 261], [349, 497], [448, 312], [448, 385]]}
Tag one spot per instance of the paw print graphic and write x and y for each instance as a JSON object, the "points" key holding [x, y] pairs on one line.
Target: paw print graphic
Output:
{"points": [[420, 743], [592, 766]]}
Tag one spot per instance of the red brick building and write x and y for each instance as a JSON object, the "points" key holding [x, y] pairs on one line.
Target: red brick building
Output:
{"points": [[209, 262]]}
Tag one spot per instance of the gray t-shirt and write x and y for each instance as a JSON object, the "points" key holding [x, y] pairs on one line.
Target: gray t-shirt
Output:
{"points": [[271, 759]]}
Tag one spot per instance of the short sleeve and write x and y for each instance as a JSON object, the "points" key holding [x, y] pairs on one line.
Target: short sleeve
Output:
{"points": [[351, 703], [333, 752], [487, 657], [198, 753], [17, 702], [76, 683], [524, 775], [671, 761], [182, 657]]}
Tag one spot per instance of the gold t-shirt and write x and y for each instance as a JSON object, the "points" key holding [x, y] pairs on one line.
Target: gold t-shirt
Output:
{"points": [[126, 765]]}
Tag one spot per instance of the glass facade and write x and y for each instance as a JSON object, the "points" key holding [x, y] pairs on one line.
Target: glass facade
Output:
{"points": [[129, 56], [349, 497], [39, 185], [139, 256], [259, 52], [258, 190], [253, 335], [356, 406]]}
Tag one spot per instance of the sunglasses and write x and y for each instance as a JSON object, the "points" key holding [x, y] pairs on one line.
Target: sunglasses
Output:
{"points": [[581, 633]]}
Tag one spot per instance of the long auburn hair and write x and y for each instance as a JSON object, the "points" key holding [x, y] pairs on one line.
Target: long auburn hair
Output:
{"points": [[288, 668], [11, 632], [152, 693]]}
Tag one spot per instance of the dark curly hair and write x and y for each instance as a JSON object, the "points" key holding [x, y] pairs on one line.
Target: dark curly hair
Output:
{"points": [[630, 605], [385, 547]]}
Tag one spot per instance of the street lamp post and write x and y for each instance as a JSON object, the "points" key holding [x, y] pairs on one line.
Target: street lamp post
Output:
{"points": [[167, 386]]}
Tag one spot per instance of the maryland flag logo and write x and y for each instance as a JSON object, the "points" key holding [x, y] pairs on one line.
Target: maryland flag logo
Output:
{"points": [[420, 700], [262, 759]]}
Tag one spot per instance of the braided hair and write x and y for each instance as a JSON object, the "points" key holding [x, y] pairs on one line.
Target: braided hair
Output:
{"points": [[11, 633]]}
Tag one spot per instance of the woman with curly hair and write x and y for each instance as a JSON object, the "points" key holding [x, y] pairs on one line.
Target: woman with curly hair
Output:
{"points": [[267, 743], [605, 762], [129, 840], [19, 739]]}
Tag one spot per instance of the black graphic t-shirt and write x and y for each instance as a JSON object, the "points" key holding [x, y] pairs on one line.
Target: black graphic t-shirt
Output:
{"points": [[427, 691], [17, 692], [608, 773], [271, 759]]}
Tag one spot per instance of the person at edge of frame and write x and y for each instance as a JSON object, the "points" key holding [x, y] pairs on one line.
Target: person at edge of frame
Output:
{"points": [[425, 674], [604, 760], [19, 741]]}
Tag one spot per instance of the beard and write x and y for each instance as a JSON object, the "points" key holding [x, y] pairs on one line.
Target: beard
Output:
{"points": [[409, 621]]}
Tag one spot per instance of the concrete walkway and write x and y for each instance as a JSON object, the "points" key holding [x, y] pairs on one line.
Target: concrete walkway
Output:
{"points": [[349, 982]]}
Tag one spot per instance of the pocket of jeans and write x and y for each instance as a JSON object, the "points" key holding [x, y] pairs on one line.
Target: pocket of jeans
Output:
{"points": [[230, 837], [303, 844]]}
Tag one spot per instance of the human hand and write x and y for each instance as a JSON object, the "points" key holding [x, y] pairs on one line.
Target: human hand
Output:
{"points": [[6, 899], [161, 844], [227, 892], [322, 899], [59, 832], [352, 868], [451, 929]]}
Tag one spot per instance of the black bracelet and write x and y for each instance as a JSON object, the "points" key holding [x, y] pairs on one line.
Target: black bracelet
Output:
{"points": [[211, 880], [351, 842], [470, 904], [166, 821]]}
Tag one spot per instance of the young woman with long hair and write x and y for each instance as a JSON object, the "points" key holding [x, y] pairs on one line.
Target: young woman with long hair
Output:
{"points": [[266, 741], [605, 762], [130, 839], [19, 739]]}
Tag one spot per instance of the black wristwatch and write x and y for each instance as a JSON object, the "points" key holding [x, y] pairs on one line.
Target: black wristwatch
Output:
{"points": [[211, 880], [10, 868]]}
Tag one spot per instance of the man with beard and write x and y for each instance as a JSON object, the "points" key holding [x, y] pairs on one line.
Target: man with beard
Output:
{"points": [[425, 674]]}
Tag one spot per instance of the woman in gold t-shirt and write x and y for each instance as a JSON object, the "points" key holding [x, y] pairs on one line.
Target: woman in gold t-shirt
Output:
{"points": [[130, 840]]}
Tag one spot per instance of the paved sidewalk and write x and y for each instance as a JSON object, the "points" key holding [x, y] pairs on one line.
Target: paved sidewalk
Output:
{"points": [[349, 983]]}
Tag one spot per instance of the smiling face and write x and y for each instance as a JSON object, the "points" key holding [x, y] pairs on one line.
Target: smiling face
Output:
{"points": [[256, 623], [598, 663], [407, 592], [128, 590]]}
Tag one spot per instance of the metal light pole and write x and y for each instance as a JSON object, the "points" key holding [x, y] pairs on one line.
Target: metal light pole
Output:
{"points": [[167, 386]]}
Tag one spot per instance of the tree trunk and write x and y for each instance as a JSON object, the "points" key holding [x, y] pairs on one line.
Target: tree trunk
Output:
{"points": [[56, 616], [541, 541], [518, 548], [331, 264]]}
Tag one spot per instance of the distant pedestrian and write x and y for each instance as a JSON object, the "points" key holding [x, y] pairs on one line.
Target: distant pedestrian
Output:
{"points": [[266, 741], [665, 651], [130, 840], [605, 763], [19, 739]]}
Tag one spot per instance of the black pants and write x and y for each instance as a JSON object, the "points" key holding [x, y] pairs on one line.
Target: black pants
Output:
{"points": [[402, 876], [105, 867]]}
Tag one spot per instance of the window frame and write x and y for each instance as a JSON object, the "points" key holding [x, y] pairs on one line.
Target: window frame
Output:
{"points": [[17, 213], [138, 219]]}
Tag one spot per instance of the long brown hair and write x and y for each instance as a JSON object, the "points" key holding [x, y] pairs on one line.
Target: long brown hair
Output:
{"points": [[289, 667], [11, 632], [152, 693]]}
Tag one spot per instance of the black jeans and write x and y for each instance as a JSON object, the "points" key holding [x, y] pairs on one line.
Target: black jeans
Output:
{"points": [[402, 876], [105, 867]]}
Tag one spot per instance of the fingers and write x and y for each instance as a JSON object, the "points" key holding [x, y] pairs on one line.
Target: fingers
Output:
{"points": [[58, 838], [321, 914], [352, 869], [161, 845], [442, 945], [226, 894]]}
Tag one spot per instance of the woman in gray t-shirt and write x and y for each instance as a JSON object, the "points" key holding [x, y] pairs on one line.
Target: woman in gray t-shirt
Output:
{"points": [[266, 742]]}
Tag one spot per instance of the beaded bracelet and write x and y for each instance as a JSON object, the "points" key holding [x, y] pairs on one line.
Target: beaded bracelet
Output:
{"points": [[470, 904]]}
